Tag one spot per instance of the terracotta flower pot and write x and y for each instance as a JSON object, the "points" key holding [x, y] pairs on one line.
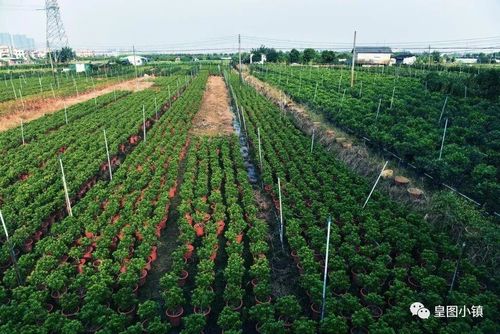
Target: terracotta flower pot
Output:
{"points": [[235, 306], [315, 311], [199, 228], [267, 301], [220, 227], [205, 312], [175, 316], [128, 313], [189, 253], [142, 279], [239, 238], [295, 256], [154, 253], [28, 245], [214, 253], [71, 314], [183, 278]]}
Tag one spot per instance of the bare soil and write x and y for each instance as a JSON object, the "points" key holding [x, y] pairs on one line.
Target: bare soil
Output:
{"points": [[214, 117], [11, 112]]}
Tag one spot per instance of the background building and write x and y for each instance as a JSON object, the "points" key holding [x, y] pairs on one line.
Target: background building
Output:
{"points": [[368, 55]]}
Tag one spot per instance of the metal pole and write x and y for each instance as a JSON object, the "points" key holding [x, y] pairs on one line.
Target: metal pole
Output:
{"points": [[353, 59], [442, 110], [315, 91], [281, 214], [378, 178], [68, 202], [22, 100], [442, 141], [378, 108], [260, 149], [107, 153], [12, 253], [144, 122], [326, 268]]}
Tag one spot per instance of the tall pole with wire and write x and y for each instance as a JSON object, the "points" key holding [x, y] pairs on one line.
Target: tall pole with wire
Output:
{"points": [[353, 59], [239, 56]]}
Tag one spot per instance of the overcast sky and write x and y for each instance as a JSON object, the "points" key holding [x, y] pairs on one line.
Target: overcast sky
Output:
{"points": [[161, 23]]}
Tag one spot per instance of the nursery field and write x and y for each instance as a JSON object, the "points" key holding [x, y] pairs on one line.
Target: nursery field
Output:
{"points": [[210, 215], [409, 115]]}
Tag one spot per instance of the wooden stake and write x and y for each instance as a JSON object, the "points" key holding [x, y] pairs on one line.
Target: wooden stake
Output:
{"points": [[392, 98]]}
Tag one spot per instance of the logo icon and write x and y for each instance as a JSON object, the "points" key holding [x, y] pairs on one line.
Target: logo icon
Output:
{"points": [[419, 310]]}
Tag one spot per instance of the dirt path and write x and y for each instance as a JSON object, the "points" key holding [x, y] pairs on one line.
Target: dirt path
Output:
{"points": [[214, 117], [36, 107]]}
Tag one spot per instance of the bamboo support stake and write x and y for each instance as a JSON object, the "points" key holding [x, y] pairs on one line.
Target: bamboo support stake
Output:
{"points": [[392, 97], [378, 178], [65, 186], [12, 253], [144, 122], [442, 110], [442, 141], [312, 141], [378, 108], [326, 267], [281, 214], [107, 153], [260, 149], [22, 131]]}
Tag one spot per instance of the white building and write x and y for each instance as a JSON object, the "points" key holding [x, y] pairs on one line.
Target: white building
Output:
{"points": [[136, 60], [4, 51], [367, 55], [19, 54], [85, 53]]}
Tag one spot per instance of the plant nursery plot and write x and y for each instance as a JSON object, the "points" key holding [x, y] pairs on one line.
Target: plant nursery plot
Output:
{"points": [[32, 189], [400, 114]]}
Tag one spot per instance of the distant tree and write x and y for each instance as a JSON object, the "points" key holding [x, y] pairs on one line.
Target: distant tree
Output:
{"points": [[327, 57], [436, 56], [294, 56], [64, 55], [309, 55]]}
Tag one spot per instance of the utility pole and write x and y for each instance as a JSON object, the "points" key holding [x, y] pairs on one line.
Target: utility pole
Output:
{"points": [[353, 59], [135, 67], [239, 55], [429, 56]]}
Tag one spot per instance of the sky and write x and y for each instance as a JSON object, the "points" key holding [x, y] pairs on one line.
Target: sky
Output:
{"points": [[215, 24]]}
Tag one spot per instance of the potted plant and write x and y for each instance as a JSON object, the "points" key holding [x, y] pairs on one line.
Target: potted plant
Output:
{"points": [[361, 319], [125, 300], [173, 297], [70, 304], [229, 320], [202, 299], [332, 324], [304, 326], [193, 324], [288, 309]]}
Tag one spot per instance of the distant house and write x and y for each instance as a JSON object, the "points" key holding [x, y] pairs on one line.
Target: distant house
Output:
{"points": [[405, 59], [136, 60], [373, 55]]}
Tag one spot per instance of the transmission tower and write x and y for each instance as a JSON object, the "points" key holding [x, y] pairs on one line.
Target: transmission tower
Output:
{"points": [[56, 35]]}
